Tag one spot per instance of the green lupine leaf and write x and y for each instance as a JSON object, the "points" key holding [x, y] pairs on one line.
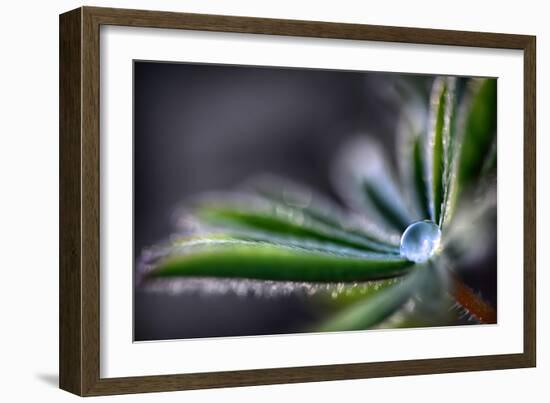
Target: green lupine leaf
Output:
{"points": [[479, 129], [407, 88], [276, 219], [431, 304], [410, 129], [474, 148], [366, 181], [234, 258], [371, 311], [490, 161], [478, 211], [317, 208], [377, 193], [418, 177], [442, 312], [441, 111]]}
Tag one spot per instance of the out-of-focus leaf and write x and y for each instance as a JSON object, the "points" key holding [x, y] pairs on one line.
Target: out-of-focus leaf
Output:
{"points": [[442, 106], [371, 311], [378, 194], [317, 207], [366, 181], [417, 313], [410, 129], [479, 129], [399, 90], [474, 141], [490, 161], [277, 219], [477, 210], [233, 258], [431, 303]]}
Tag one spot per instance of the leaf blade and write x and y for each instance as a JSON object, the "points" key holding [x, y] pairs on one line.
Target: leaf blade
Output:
{"points": [[282, 220], [232, 258], [365, 180], [411, 128], [436, 162], [418, 178], [371, 311], [317, 207], [474, 147], [479, 130]]}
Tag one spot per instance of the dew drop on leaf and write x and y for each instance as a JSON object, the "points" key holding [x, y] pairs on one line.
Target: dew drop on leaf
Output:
{"points": [[420, 241]]}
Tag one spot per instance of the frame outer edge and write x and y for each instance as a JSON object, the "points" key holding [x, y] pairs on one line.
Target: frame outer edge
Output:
{"points": [[530, 201], [305, 28], [90, 202], [70, 141], [80, 201]]}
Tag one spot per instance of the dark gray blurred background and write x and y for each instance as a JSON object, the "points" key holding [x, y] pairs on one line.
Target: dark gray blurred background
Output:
{"points": [[210, 127]]}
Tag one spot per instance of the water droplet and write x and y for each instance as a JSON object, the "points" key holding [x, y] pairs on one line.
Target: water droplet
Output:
{"points": [[420, 241]]}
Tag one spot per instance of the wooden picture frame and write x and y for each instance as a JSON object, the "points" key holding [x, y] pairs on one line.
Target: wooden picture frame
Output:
{"points": [[80, 184]]}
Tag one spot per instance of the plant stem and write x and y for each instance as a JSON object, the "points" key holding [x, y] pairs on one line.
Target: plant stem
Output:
{"points": [[475, 305]]}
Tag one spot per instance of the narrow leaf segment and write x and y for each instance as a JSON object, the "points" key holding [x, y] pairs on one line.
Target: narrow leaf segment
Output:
{"points": [[269, 261], [371, 311]]}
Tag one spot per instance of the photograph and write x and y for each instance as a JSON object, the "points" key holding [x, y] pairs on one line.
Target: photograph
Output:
{"points": [[272, 200]]}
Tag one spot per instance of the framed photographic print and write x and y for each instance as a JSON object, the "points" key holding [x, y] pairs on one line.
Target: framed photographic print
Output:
{"points": [[249, 201]]}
